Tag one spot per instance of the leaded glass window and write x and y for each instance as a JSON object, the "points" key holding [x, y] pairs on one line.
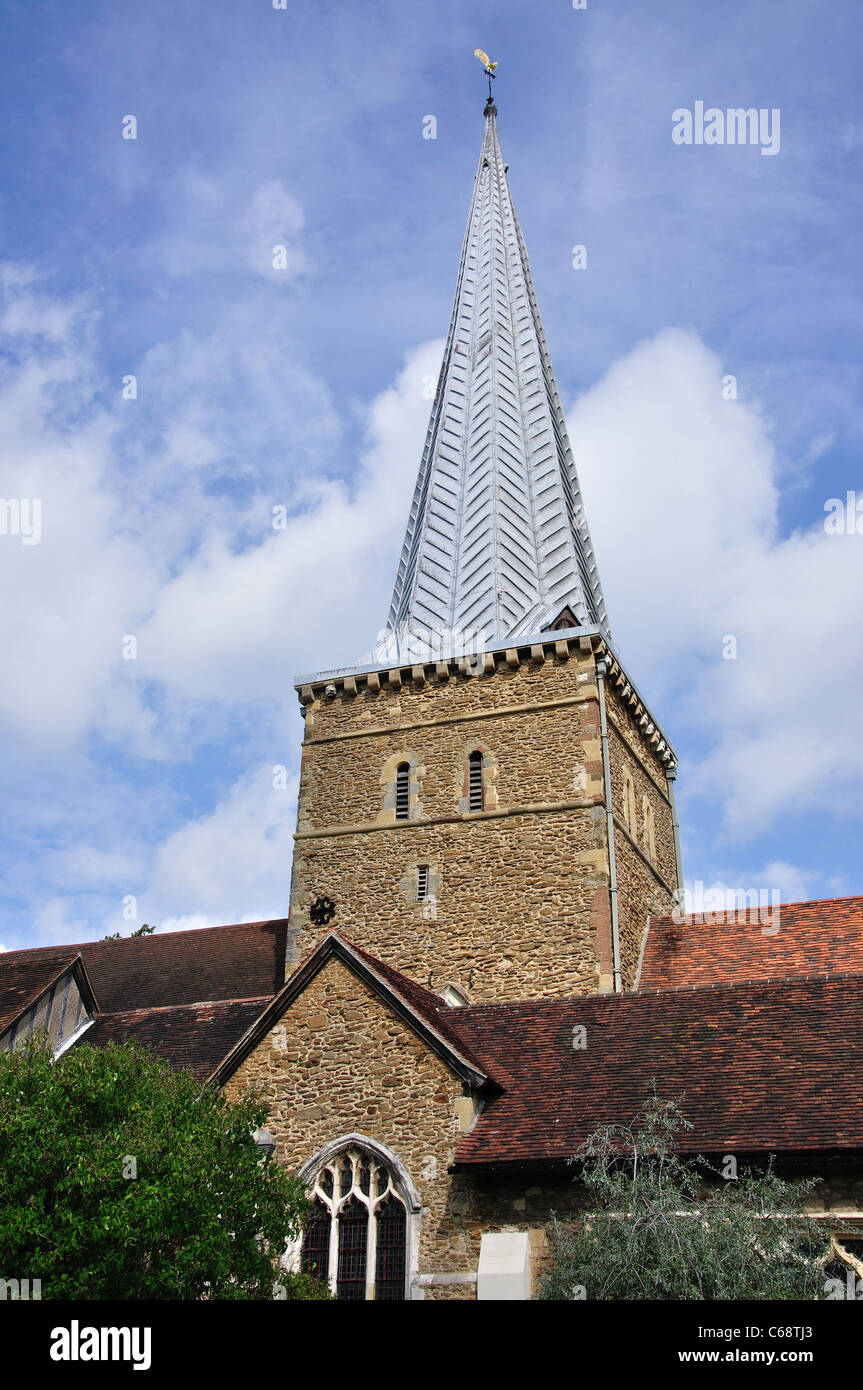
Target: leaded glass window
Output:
{"points": [[353, 1244], [390, 1254], [316, 1244], [356, 1235]]}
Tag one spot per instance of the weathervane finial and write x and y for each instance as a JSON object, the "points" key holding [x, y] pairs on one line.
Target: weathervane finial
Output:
{"points": [[489, 69]]}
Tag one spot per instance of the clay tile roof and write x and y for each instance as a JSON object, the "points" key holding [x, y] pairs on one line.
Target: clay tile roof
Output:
{"points": [[23, 979], [196, 1036], [764, 1067], [821, 937], [145, 972]]}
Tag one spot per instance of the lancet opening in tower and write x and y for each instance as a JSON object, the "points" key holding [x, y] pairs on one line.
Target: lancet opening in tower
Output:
{"points": [[497, 544]]}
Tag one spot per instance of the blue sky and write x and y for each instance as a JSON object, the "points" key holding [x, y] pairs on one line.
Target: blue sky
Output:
{"points": [[149, 781]]}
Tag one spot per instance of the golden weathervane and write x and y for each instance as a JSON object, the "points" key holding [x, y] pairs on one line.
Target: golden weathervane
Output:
{"points": [[488, 66]]}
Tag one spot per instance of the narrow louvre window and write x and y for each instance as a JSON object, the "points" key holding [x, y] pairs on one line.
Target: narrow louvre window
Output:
{"points": [[403, 776], [474, 784], [390, 1261], [422, 882], [316, 1243], [353, 1238]]}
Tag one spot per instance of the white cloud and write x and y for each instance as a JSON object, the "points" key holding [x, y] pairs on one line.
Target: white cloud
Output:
{"points": [[232, 865], [128, 499], [193, 921], [207, 234], [56, 924], [776, 882], [273, 218], [70, 597], [681, 492], [233, 625]]}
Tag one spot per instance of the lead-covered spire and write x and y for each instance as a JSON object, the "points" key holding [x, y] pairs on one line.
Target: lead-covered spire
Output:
{"points": [[496, 542]]}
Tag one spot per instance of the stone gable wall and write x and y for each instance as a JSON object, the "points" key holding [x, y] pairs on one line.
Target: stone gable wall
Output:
{"points": [[341, 1062]]}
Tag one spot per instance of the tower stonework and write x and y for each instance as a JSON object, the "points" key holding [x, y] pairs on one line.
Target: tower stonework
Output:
{"points": [[524, 897]]}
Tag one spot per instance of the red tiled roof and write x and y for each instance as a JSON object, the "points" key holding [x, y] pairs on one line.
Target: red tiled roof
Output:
{"points": [[825, 936], [246, 961], [769, 1066], [765, 1065], [196, 1036], [24, 978]]}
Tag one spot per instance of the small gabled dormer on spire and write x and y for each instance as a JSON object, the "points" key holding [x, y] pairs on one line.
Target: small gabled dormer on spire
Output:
{"points": [[497, 545]]}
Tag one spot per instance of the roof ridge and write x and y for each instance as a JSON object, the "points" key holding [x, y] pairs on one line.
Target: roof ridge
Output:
{"points": [[155, 936], [750, 980], [742, 913], [194, 1004], [610, 997]]}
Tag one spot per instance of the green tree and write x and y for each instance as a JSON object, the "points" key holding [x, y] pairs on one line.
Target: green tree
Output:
{"points": [[122, 1178], [656, 1226]]}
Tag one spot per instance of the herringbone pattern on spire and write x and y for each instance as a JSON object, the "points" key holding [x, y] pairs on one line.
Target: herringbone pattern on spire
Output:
{"points": [[496, 542]]}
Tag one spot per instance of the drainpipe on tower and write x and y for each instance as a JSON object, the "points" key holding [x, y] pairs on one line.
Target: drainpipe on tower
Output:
{"points": [[670, 778], [601, 673]]}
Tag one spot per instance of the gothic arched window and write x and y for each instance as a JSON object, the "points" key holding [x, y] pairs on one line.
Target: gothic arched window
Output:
{"points": [[403, 790], [475, 798], [356, 1235]]}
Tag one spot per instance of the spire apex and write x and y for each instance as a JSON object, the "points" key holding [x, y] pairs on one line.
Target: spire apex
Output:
{"points": [[497, 545]]}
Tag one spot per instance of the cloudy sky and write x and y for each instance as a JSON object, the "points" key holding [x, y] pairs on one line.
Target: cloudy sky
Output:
{"points": [[141, 772]]}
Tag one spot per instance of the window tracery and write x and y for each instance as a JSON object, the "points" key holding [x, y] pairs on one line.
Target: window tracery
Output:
{"points": [[356, 1235]]}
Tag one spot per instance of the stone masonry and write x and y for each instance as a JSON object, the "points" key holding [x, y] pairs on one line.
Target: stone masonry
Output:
{"points": [[519, 905], [340, 1062]]}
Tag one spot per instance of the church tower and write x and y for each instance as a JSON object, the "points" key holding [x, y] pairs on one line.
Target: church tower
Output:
{"points": [[487, 803]]}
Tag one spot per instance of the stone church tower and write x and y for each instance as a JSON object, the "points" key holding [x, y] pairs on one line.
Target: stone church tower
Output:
{"points": [[487, 805]]}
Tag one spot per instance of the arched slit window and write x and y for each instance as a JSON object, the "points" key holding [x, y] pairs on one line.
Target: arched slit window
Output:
{"points": [[356, 1234], [403, 786], [474, 782]]}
